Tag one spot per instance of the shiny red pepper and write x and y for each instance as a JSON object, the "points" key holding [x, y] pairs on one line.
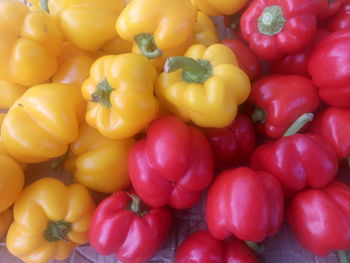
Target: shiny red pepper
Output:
{"points": [[123, 225], [278, 27], [320, 218], [281, 99], [202, 247], [329, 67], [341, 20], [244, 202], [172, 165], [233, 144], [297, 161], [328, 8]]}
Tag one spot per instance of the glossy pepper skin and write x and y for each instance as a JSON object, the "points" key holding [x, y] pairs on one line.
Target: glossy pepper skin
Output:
{"points": [[42, 122], [205, 30], [297, 161], [99, 163], [234, 195], [206, 88], [172, 165], [328, 8], [330, 55], [276, 28], [50, 219], [6, 219], [30, 43], [219, 7], [88, 24], [202, 247], [232, 145], [123, 225], [120, 96], [327, 207], [341, 20], [282, 99]]}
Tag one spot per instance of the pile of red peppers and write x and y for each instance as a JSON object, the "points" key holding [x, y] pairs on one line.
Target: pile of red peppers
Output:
{"points": [[279, 159]]}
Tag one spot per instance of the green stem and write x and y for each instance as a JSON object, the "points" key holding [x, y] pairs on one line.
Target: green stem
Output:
{"points": [[193, 71], [57, 230], [137, 206], [148, 48], [343, 258], [102, 94], [258, 115], [44, 5], [255, 247], [59, 162], [298, 124], [271, 21]]}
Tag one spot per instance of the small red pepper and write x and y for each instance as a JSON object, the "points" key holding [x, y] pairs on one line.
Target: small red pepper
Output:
{"points": [[280, 100], [202, 247], [320, 219], [172, 165], [341, 20], [123, 225], [328, 8], [277, 27], [329, 67], [244, 202]]}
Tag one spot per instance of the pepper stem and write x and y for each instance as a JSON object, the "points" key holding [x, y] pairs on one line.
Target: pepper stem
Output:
{"points": [[146, 44], [59, 162], [343, 258], [271, 21], [57, 230], [258, 115], [44, 5], [255, 247], [193, 71], [298, 124], [102, 93], [137, 206]]}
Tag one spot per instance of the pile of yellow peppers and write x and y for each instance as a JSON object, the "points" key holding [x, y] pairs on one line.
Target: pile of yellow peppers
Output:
{"points": [[80, 80]]}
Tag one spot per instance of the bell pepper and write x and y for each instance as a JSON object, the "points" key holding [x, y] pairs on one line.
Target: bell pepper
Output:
{"points": [[172, 165], [205, 86], [244, 202], [320, 219], [120, 96], [276, 28], [88, 24], [247, 60], [219, 7], [328, 8], [331, 55], [42, 122], [297, 161], [202, 247], [280, 100], [158, 28], [115, 46], [50, 219], [6, 219], [30, 41], [99, 163], [73, 65], [297, 63], [341, 20], [123, 225], [233, 144], [205, 30]]}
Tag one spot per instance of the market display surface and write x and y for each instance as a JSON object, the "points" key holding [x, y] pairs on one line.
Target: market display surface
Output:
{"points": [[186, 131]]}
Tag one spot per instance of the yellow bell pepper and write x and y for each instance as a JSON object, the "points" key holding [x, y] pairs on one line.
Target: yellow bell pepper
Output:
{"points": [[6, 219], [205, 86], [42, 122], [219, 7], [120, 96], [159, 28], [50, 219], [115, 46], [88, 24], [30, 41], [99, 163], [205, 30]]}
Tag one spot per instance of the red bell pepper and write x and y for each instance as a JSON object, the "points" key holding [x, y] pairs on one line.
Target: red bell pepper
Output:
{"points": [[329, 67], [320, 218], [280, 100], [341, 20], [244, 202], [297, 63], [247, 60], [123, 225], [172, 165], [328, 8], [202, 247], [297, 161], [233, 144], [277, 27]]}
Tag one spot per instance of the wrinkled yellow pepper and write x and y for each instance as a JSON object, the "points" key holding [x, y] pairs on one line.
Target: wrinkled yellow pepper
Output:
{"points": [[99, 163], [42, 122], [159, 28], [88, 24], [30, 41], [6, 219], [50, 219], [205, 86], [219, 7], [120, 96], [205, 30]]}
